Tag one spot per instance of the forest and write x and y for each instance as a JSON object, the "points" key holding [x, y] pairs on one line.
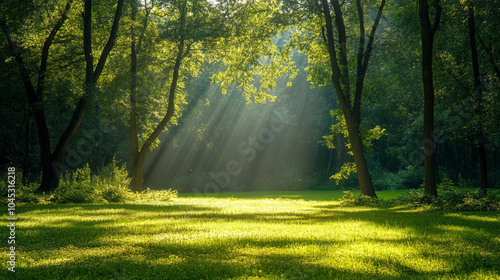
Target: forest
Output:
{"points": [[174, 90], [191, 107]]}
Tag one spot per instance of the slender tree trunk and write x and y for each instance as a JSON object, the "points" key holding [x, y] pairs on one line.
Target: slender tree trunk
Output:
{"points": [[138, 155], [341, 82], [26, 167], [137, 161], [479, 98], [428, 32]]}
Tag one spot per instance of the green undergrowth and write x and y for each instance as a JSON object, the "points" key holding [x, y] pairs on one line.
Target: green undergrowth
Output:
{"points": [[278, 235], [450, 197], [110, 185]]}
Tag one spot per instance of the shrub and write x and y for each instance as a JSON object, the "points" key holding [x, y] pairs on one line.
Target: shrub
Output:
{"points": [[111, 185], [80, 186], [26, 194], [451, 197], [471, 203], [413, 198], [77, 187], [153, 196], [350, 198]]}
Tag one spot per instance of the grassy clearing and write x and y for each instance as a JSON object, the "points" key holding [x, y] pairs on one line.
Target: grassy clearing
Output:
{"points": [[267, 235]]}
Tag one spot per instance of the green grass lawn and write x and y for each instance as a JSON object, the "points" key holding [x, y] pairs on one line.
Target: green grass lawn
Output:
{"points": [[266, 235]]}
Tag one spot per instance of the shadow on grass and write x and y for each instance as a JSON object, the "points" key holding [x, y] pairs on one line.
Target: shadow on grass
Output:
{"points": [[236, 258], [221, 261], [85, 225]]}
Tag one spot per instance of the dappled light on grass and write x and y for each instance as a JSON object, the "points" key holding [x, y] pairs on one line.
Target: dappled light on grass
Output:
{"points": [[272, 238]]}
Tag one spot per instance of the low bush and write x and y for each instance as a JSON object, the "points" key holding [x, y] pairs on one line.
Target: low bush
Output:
{"points": [[24, 192], [149, 196], [77, 187], [451, 197], [113, 183], [110, 185], [414, 198], [350, 198]]}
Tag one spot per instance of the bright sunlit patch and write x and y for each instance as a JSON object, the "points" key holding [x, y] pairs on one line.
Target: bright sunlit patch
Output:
{"points": [[474, 217], [456, 228], [273, 238]]}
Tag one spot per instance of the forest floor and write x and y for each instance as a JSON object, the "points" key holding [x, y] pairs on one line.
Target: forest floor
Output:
{"points": [[265, 235]]}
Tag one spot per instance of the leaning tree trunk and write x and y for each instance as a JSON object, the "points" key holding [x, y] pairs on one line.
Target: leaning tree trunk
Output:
{"points": [[364, 177], [50, 180], [138, 154]]}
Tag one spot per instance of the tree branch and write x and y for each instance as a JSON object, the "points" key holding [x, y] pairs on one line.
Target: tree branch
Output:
{"points": [[437, 19], [490, 56], [339, 22], [329, 41], [363, 65], [46, 46], [110, 43]]}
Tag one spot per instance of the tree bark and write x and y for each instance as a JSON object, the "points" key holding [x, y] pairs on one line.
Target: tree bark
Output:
{"points": [[427, 33], [137, 172], [364, 177], [478, 97]]}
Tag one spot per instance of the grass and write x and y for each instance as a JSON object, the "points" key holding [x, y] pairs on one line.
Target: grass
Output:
{"points": [[265, 235]]}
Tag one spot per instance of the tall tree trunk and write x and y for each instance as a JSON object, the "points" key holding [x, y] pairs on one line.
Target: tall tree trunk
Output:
{"points": [[341, 82], [35, 98], [427, 32], [137, 162], [138, 154], [50, 180], [479, 98]]}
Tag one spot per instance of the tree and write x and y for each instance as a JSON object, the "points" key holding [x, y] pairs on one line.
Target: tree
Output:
{"points": [[427, 33], [192, 33], [35, 94], [478, 95], [183, 44], [54, 162], [188, 25], [340, 67]]}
